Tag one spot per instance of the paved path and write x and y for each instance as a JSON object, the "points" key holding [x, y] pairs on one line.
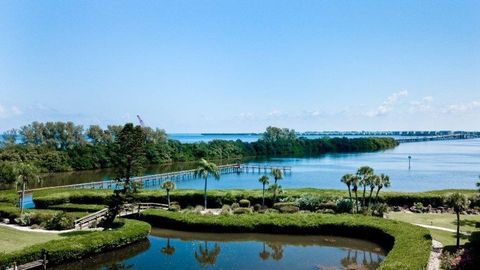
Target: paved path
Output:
{"points": [[440, 228], [434, 260]]}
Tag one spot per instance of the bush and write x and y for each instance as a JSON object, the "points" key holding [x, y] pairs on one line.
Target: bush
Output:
{"points": [[418, 207], [379, 209], [174, 208], [257, 207], [79, 245], [475, 239], [72, 207], [60, 221], [282, 204], [24, 220], [235, 206], [344, 206], [325, 211], [309, 202], [226, 210], [242, 210], [244, 203]]}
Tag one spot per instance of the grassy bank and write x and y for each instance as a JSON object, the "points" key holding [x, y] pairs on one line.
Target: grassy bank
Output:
{"points": [[13, 240], [216, 198], [74, 246], [409, 246]]}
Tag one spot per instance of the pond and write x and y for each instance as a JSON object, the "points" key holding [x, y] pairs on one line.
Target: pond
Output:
{"points": [[169, 249], [434, 165]]}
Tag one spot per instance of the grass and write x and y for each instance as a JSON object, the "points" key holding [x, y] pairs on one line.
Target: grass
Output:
{"points": [[409, 246], [74, 246], [444, 220], [13, 240]]}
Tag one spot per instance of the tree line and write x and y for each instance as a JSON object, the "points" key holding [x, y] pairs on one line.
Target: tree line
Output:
{"points": [[65, 146]]}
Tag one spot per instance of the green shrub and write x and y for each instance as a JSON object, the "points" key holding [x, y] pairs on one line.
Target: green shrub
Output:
{"points": [[282, 204], [174, 208], [344, 206], [72, 207], [24, 220], [257, 207], [409, 246], [79, 245], [244, 203], [325, 211], [418, 207], [235, 206], [289, 209], [241, 210], [310, 202], [226, 210], [379, 209], [60, 221]]}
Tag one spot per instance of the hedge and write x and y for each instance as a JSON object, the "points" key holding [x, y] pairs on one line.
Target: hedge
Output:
{"points": [[71, 207], [216, 198], [80, 245], [409, 246]]}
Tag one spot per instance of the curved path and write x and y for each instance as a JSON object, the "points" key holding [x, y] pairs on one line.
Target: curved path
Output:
{"points": [[440, 228]]}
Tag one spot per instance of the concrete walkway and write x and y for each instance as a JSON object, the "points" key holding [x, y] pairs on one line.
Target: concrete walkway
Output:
{"points": [[28, 229], [441, 229], [434, 260]]}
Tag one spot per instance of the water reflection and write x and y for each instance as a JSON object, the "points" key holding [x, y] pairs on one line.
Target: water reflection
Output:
{"points": [[189, 250], [207, 257]]}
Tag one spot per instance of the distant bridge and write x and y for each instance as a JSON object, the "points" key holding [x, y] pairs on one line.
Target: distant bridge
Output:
{"points": [[465, 136]]}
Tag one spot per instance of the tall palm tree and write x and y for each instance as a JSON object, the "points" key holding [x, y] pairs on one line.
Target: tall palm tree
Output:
{"points": [[459, 202], [365, 174], [347, 180], [168, 185], [264, 181], [384, 183], [355, 181], [25, 172], [374, 182], [168, 250], [204, 170], [277, 175]]}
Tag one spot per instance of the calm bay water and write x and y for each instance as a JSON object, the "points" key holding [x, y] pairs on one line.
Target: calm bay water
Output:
{"points": [[435, 165], [168, 249]]}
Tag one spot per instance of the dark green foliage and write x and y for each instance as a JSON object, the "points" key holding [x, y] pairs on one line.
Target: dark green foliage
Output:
{"points": [[475, 239], [78, 246], [409, 246], [59, 146], [242, 210], [60, 221], [286, 207], [70, 207], [344, 206]]}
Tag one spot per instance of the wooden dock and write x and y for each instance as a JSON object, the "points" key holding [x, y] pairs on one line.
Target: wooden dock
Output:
{"points": [[31, 265], [158, 179]]}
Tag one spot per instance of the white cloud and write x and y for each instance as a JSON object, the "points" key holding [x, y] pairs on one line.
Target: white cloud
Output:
{"points": [[422, 105], [462, 107], [388, 105], [6, 112], [275, 113]]}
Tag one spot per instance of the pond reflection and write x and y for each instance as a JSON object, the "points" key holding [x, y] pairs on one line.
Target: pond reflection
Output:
{"points": [[169, 249]]}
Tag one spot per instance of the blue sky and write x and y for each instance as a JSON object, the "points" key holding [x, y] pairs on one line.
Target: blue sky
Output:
{"points": [[238, 66]]}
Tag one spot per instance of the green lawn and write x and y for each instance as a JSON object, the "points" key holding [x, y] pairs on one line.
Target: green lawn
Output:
{"points": [[467, 224], [12, 240]]}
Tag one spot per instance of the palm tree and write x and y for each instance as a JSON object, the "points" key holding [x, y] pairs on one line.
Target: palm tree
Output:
{"points": [[205, 257], [168, 185], [383, 183], [374, 182], [347, 180], [168, 250], [277, 175], [355, 181], [478, 184], [204, 170], [264, 255], [264, 180], [459, 202], [25, 172], [365, 174]]}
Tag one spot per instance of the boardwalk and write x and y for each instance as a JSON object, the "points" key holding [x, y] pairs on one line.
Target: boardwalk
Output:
{"points": [[158, 179]]}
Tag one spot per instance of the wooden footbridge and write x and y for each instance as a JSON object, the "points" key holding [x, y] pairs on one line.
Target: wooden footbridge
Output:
{"points": [[463, 136], [127, 210], [158, 179]]}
